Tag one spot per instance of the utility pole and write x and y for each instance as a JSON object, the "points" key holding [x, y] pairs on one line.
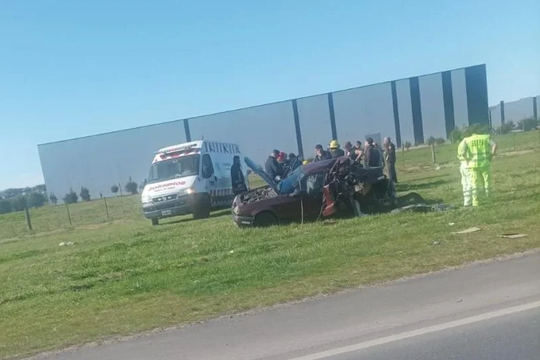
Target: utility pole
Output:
{"points": [[27, 216], [69, 215]]}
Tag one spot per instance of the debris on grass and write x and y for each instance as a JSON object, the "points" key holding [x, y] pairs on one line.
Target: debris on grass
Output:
{"points": [[513, 236], [66, 243], [467, 231], [451, 224]]}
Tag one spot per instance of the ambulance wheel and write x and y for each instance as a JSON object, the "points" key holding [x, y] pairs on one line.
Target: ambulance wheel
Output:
{"points": [[202, 208], [155, 221]]}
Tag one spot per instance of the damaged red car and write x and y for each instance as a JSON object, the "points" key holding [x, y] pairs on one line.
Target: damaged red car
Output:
{"points": [[336, 187]]}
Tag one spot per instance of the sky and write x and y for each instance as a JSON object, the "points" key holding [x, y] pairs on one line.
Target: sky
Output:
{"points": [[77, 68]]}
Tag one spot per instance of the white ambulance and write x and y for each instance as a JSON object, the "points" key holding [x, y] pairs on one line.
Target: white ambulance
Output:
{"points": [[190, 178]]}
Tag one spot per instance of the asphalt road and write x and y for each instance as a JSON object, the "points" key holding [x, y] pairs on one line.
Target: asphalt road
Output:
{"points": [[515, 337], [489, 311]]}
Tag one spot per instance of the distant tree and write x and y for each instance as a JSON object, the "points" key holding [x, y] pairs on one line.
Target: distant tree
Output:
{"points": [[85, 194], [142, 185], [431, 141], [18, 203], [5, 206], [114, 189], [506, 128], [440, 141], [71, 197], [132, 187], [407, 145], [36, 200], [456, 135], [53, 199], [527, 124], [40, 188], [476, 129]]}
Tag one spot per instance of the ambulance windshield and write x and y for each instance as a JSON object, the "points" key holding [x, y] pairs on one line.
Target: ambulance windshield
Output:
{"points": [[174, 168]]}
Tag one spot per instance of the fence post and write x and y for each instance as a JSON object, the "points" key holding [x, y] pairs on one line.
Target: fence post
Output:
{"points": [[514, 141], [403, 157], [433, 153], [27, 217], [69, 215], [106, 208], [120, 188]]}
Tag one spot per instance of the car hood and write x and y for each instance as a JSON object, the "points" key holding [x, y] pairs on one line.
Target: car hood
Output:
{"points": [[257, 169]]}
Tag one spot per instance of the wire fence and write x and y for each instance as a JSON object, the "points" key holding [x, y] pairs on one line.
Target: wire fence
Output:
{"points": [[88, 214]]}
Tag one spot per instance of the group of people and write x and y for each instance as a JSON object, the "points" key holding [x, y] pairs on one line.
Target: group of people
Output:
{"points": [[475, 153], [279, 165], [371, 155]]}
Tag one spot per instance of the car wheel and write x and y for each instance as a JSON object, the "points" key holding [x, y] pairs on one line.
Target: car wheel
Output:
{"points": [[202, 208], [155, 221], [265, 219]]}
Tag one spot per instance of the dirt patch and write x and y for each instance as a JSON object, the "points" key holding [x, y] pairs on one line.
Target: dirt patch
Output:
{"points": [[516, 153], [97, 226]]}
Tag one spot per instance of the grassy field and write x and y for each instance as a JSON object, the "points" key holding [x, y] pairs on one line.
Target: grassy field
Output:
{"points": [[124, 276]]}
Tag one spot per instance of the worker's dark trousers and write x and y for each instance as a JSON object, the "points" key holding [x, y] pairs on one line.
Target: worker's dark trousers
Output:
{"points": [[391, 171]]}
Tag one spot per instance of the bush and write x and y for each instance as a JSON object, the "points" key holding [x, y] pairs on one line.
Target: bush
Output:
{"points": [[36, 200], [527, 124], [114, 189], [85, 194], [18, 203], [476, 129], [71, 197], [506, 128], [132, 187], [53, 199], [440, 141], [407, 145], [5, 206], [431, 141], [456, 136]]}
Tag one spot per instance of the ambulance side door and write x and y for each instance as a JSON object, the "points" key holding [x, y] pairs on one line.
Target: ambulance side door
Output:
{"points": [[208, 174]]}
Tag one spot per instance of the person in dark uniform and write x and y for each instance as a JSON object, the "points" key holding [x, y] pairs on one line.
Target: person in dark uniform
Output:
{"points": [[352, 152], [372, 154], [273, 167], [335, 151], [237, 177], [390, 159], [291, 164], [320, 154]]}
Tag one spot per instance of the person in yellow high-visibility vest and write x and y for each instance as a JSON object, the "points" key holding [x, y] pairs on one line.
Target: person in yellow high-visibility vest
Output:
{"points": [[477, 151], [465, 175]]}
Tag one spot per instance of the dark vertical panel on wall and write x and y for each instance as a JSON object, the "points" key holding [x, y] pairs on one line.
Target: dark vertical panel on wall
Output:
{"points": [[477, 95], [535, 108], [502, 112], [332, 116], [416, 110], [448, 99], [297, 127], [186, 128], [396, 113]]}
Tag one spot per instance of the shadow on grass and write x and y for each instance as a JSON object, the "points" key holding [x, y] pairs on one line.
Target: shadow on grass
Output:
{"points": [[423, 186], [216, 214]]}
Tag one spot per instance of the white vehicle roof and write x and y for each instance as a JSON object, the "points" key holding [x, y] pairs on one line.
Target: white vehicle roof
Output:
{"points": [[196, 147]]}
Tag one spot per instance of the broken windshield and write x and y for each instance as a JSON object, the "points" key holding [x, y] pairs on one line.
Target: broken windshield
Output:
{"points": [[174, 168]]}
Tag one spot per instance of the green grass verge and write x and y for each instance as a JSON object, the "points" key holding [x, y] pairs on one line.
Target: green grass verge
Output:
{"points": [[126, 276]]}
